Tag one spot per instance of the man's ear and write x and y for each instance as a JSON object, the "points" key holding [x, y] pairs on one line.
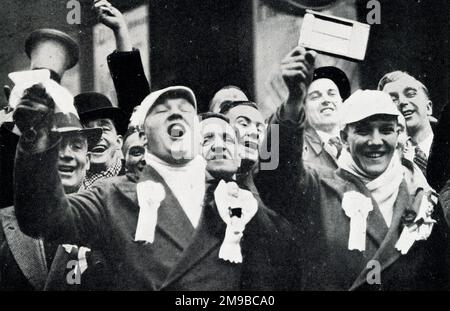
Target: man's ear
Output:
{"points": [[143, 138], [88, 161], [430, 108], [344, 137], [120, 141]]}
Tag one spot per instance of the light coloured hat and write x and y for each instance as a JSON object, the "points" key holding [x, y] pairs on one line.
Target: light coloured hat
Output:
{"points": [[365, 103], [148, 103]]}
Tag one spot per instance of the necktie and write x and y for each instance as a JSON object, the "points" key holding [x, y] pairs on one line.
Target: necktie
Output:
{"points": [[336, 142], [420, 158]]}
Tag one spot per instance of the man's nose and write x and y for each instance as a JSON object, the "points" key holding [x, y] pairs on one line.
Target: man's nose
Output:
{"points": [[65, 152], [174, 116], [252, 131], [219, 145], [375, 139]]}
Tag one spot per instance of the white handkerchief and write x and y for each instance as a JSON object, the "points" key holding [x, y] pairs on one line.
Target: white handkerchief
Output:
{"points": [[25, 79], [236, 208], [149, 195], [357, 207]]}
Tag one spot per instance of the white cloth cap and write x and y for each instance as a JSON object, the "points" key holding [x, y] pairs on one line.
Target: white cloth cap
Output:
{"points": [[150, 100], [365, 103]]}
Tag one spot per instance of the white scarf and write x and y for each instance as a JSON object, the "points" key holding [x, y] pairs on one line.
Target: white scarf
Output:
{"points": [[384, 188], [187, 183]]}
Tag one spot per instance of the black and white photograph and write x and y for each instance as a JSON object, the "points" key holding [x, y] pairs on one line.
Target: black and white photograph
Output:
{"points": [[224, 150]]}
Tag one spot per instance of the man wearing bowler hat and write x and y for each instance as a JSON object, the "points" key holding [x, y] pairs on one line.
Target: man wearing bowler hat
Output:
{"points": [[157, 232], [368, 225], [96, 110], [324, 96]]}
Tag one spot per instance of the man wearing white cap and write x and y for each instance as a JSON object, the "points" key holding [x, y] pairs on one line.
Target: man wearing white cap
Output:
{"points": [[365, 225], [155, 231]]}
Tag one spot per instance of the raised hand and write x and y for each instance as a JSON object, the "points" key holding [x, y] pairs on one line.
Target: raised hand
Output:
{"points": [[114, 19], [296, 69], [34, 113]]}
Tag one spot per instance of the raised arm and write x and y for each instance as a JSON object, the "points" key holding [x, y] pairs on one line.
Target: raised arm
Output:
{"points": [[125, 64], [284, 186], [42, 208]]}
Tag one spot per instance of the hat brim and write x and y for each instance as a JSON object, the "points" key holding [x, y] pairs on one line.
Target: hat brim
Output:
{"points": [[113, 113], [92, 134], [71, 45], [337, 76]]}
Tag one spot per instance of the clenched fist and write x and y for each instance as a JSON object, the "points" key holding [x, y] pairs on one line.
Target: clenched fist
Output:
{"points": [[34, 113], [297, 70]]}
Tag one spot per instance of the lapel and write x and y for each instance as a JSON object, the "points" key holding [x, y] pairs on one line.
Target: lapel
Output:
{"points": [[316, 144], [387, 254], [208, 235], [172, 220], [57, 270], [28, 252]]}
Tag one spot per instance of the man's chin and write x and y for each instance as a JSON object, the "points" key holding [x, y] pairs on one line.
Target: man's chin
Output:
{"points": [[221, 169]]}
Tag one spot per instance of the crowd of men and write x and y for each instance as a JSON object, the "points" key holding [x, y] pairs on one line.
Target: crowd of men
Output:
{"points": [[151, 195]]}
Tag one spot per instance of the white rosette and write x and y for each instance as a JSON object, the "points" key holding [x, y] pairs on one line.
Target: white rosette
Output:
{"points": [[357, 207], [149, 195], [422, 226], [229, 196]]}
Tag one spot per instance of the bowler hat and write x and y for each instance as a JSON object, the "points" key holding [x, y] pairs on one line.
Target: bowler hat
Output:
{"points": [[93, 105], [337, 76], [52, 49], [69, 124]]}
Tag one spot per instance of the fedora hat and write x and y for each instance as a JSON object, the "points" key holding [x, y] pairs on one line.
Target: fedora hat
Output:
{"points": [[69, 124], [337, 76], [93, 105], [52, 49]]}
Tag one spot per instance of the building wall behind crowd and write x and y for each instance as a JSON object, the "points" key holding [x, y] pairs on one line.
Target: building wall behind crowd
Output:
{"points": [[207, 44]]}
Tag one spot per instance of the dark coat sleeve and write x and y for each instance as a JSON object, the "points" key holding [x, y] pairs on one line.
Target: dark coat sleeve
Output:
{"points": [[129, 79], [438, 167], [287, 184], [44, 210]]}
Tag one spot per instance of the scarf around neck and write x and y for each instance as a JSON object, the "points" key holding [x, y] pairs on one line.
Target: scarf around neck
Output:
{"points": [[187, 182], [384, 188]]}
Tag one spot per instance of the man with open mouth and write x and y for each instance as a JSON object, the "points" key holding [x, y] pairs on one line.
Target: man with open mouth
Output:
{"points": [[369, 225], [412, 99], [96, 110]]}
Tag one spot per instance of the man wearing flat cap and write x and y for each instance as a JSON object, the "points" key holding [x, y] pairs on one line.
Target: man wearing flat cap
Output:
{"points": [[323, 100], [35, 264], [156, 231], [96, 110], [367, 225]]}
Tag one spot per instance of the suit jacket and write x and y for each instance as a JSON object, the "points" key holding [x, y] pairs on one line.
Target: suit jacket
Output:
{"points": [[314, 152], [23, 261], [180, 258], [312, 200], [129, 79], [25, 265]]}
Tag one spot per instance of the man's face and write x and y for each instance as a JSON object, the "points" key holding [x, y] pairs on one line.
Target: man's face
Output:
{"points": [[231, 94], [411, 101], [73, 161], [219, 147], [249, 123], [171, 131], [372, 143], [105, 152], [322, 103], [134, 151]]}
